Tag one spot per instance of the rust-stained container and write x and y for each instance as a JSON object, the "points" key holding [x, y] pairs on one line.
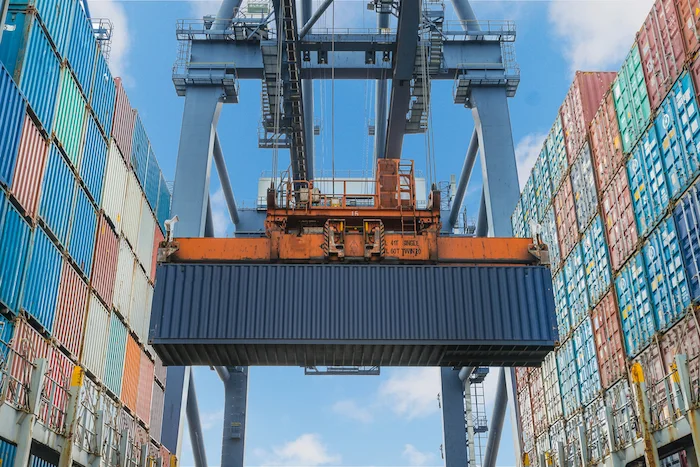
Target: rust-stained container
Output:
{"points": [[70, 309], [123, 123], [654, 374], [145, 389], [522, 380], [689, 20], [165, 455], [661, 49], [606, 143], [565, 215], [104, 267], [608, 340], [539, 409], [618, 216], [580, 106], [157, 238], [157, 400], [29, 169], [683, 338], [130, 380]]}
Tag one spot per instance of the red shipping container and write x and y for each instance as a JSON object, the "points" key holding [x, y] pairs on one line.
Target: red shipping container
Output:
{"points": [[145, 389], [123, 124], [695, 73], [606, 143], [689, 19], [565, 216], [27, 346], [104, 269], [608, 340], [156, 242], [165, 456], [580, 106], [620, 225], [70, 309], [522, 380], [661, 49], [29, 171], [539, 410], [130, 381], [683, 338], [52, 411]]}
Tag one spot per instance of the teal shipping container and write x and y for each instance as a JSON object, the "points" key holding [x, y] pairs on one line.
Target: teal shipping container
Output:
{"points": [[556, 151], [636, 308], [596, 262], [631, 100], [116, 353]]}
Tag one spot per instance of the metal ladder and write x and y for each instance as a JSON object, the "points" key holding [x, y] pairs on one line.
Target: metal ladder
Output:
{"points": [[406, 191]]}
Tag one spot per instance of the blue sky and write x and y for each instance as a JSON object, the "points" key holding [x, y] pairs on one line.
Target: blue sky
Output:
{"points": [[392, 419]]}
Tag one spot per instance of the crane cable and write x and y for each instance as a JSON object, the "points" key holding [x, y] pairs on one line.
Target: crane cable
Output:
{"points": [[333, 96], [278, 88], [429, 140]]}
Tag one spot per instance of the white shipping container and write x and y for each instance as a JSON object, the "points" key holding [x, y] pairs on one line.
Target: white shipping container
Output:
{"points": [[131, 218], [114, 186], [620, 401], [572, 448], [86, 427], [552, 396], [557, 435], [111, 429], [596, 430], [544, 448], [144, 247], [138, 318], [124, 278], [96, 337]]}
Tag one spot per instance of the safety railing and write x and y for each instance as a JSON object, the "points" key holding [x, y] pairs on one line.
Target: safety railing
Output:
{"points": [[665, 401], [694, 372], [111, 440], [86, 425], [299, 194], [237, 29], [54, 401], [16, 374], [480, 30], [386, 35], [626, 428]]}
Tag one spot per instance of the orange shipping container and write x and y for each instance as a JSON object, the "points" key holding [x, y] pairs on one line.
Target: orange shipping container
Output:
{"points": [[565, 215], [29, 170], [145, 389], [608, 340], [606, 143], [70, 309], [689, 18], [130, 380]]}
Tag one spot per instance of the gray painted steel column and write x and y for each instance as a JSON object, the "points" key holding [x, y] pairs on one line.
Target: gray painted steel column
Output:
{"points": [[235, 408], [380, 107], [464, 10], [464, 177], [482, 221], [309, 20], [196, 435], [307, 92], [499, 415], [454, 426], [209, 225], [226, 13], [225, 181]]}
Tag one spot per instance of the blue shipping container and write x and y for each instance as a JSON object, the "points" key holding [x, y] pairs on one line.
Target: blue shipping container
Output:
{"points": [[103, 94], [647, 183], [687, 216], [28, 56], [556, 150], [58, 189], [551, 239], [678, 128], [568, 378], [55, 15], [561, 305], [139, 150], [636, 309], [11, 118], [520, 228], [164, 198], [7, 453], [82, 51], [83, 230], [14, 243], [586, 362], [41, 279], [597, 263], [116, 351], [35, 461], [666, 275], [152, 180], [543, 184], [583, 184], [576, 290], [529, 203], [94, 160]]}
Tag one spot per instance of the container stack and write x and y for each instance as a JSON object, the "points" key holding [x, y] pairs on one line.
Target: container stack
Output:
{"points": [[614, 194], [82, 208]]}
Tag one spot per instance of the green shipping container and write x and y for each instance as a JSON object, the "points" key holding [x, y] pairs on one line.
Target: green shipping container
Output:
{"points": [[631, 100], [70, 117]]}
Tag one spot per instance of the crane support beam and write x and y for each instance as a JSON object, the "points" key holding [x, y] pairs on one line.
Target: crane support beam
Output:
{"points": [[195, 427], [380, 106], [225, 181], [464, 177], [404, 60], [497, 419], [454, 429], [482, 221], [310, 21], [307, 91]]}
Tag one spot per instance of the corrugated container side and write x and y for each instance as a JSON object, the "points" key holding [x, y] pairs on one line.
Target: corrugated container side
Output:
{"points": [[549, 237], [568, 378], [520, 230], [620, 400], [158, 399], [583, 183], [94, 160], [57, 194], [157, 238], [586, 362], [15, 235], [144, 247], [631, 100], [539, 408], [579, 107], [124, 278], [552, 396], [7, 453], [83, 229], [145, 389], [152, 185], [683, 338], [71, 309], [160, 372], [52, 411], [565, 215], [29, 345], [654, 373], [41, 280], [561, 304], [689, 17], [97, 333], [35, 461], [103, 96], [104, 268], [112, 430], [56, 16], [678, 129], [687, 217], [11, 118], [606, 143], [522, 378], [661, 49], [130, 380], [139, 150], [636, 310], [576, 290], [620, 223], [31, 158], [572, 448], [116, 352], [131, 218], [608, 340], [82, 51], [666, 275], [596, 263], [647, 181], [139, 319], [556, 149], [557, 435], [597, 435], [543, 184], [164, 198], [29, 57], [527, 434], [70, 117], [114, 186], [529, 203], [123, 123]]}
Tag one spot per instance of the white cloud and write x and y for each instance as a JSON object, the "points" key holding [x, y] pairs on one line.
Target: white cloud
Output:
{"points": [[220, 214], [412, 393], [307, 451], [416, 457], [121, 35], [597, 34], [211, 420], [526, 152], [352, 410]]}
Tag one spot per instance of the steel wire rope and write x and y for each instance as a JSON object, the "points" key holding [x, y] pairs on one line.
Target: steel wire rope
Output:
{"points": [[278, 88], [333, 96]]}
